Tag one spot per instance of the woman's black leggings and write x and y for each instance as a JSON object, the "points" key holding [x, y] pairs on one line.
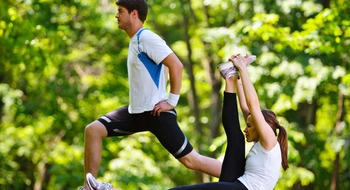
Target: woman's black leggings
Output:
{"points": [[234, 160]]}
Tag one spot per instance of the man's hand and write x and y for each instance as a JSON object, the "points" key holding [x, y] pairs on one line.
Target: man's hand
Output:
{"points": [[161, 107]]}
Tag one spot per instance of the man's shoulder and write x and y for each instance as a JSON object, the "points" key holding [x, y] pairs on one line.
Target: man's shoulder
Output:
{"points": [[148, 34]]}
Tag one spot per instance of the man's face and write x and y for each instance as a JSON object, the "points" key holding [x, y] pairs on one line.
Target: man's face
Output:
{"points": [[123, 18]]}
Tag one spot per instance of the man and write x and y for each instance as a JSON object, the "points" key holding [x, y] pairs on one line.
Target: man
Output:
{"points": [[150, 108]]}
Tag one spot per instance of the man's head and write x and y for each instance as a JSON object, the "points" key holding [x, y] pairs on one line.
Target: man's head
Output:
{"points": [[139, 5]]}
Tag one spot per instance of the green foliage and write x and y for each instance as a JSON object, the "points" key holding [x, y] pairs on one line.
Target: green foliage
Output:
{"points": [[62, 65]]}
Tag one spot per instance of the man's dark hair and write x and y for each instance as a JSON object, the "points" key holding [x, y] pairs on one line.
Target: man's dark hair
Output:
{"points": [[139, 5]]}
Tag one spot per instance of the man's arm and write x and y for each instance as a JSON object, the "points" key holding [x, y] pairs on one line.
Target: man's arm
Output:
{"points": [[175, 68]]}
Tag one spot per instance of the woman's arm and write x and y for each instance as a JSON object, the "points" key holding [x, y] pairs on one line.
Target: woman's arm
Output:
{"points": [[241, 98], [266, 135]]}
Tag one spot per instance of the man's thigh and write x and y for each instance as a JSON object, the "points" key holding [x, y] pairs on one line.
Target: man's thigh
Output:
{"points": [[168, 132], [120, 122]]}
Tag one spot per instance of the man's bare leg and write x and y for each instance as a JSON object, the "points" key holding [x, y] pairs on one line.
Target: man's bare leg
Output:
{"points": [[201, 163], [94, 133]]}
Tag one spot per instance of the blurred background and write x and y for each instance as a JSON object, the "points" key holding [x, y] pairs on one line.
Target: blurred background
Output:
{"points": [[63, 65]]}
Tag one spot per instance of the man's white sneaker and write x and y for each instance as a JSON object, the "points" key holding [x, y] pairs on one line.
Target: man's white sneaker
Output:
{"points": [[97, 185]]}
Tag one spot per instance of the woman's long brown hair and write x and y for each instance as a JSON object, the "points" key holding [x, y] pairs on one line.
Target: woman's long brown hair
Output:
{"points": [[271, 119]]}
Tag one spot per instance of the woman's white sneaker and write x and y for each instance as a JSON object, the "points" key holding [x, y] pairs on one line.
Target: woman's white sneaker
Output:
{"points": [[227, 69]]}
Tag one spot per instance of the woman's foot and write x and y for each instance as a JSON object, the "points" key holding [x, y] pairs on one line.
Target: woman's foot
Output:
{"points": [[227, 69]]}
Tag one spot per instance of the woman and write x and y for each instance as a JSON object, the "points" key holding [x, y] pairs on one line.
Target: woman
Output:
{"points": [[261, 168]]}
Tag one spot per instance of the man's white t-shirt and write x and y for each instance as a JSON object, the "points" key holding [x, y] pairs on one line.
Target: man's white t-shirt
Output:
{"points": [[262, 169], [143, 92]]}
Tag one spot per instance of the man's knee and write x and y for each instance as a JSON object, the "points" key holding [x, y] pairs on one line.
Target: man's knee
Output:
{"points": [[95, 128], [191, 160]]}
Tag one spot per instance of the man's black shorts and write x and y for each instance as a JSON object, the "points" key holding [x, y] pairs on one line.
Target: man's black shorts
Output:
{"points": [[165, 127]]}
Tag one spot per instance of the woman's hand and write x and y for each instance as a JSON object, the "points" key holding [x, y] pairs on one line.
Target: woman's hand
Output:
{"points": [[239, 61]]}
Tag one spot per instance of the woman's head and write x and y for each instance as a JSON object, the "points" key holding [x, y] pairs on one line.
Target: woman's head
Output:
{"points": [[139, 5], [271, 119], [251, 132]]}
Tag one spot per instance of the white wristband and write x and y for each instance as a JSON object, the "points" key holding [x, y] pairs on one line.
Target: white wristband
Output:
{"points": [[173, 99]]}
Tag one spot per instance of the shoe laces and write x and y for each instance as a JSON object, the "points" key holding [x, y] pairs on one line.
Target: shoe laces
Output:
{"points": [[104, 186]]}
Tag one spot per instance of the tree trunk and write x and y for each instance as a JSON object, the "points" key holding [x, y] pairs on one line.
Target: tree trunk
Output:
{"points": [[340, 117], [325, 3], [215, 81], [192, 95]]}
